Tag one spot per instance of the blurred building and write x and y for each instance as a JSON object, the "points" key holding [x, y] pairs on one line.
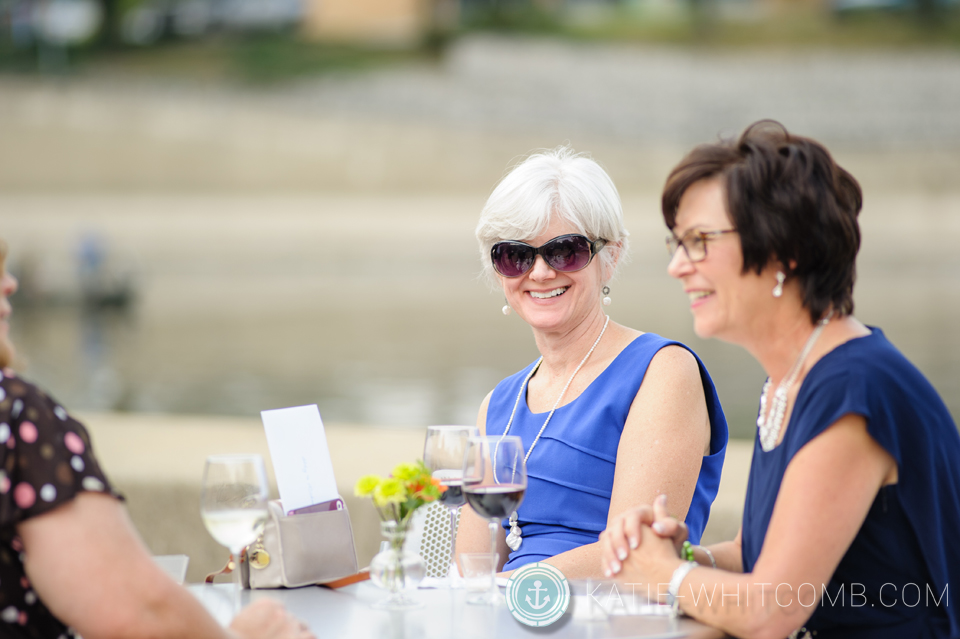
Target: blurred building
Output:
{"points": [[377, 22]]}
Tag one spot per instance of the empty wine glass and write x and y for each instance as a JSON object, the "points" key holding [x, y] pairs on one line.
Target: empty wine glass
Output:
{"points": [[233, 505], [443, 452], [494, 481]]}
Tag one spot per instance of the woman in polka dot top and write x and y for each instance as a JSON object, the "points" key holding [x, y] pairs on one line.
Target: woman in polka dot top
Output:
{"points": [[70, 561]]}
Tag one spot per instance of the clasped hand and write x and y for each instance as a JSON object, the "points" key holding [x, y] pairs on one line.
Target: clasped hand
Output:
{"points": [[638, 543]]}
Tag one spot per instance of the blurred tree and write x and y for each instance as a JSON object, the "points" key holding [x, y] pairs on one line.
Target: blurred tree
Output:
{"points": [[443, 24], [110, 33], [445, 15], [928, 10], [549, 6], [703, 14]]}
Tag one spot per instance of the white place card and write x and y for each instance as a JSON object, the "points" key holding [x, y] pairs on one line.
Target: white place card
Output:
{"points": [[300, 455]]}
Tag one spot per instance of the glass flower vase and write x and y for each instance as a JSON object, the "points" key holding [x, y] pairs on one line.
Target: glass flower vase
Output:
{"points": [[395, 570]]}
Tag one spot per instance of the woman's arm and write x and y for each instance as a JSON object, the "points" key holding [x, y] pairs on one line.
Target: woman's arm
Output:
{"points": [[661, 448], [87, 564], [727, 554], [826, 493], [473, 532], [666, 435]]}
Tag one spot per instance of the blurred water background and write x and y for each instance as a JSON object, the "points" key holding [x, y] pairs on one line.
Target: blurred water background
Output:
{"points": [[235, 218]]}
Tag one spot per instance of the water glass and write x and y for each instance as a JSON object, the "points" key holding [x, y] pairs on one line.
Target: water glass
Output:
{"points": [[479, 574]]}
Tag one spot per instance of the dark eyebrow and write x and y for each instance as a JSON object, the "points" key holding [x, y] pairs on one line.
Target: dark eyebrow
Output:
{"points": [[695, 227]]}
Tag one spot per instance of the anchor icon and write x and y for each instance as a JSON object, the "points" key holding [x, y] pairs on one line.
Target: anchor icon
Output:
{"points": [[537, 590]]}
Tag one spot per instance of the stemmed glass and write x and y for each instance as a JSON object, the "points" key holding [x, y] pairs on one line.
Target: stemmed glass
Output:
{"points": [[233, 505], [443, 454], [494, 481]]}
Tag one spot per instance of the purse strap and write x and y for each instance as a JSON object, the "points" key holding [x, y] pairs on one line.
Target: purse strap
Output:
{"points": [[226, 570], [363, 575]]}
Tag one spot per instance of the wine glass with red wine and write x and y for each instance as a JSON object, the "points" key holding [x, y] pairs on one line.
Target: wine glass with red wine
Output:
{"points": [[494, 480], [443, 454]]}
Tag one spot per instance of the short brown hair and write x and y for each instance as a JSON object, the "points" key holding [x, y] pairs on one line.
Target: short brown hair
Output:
{"points": [[790, 202]]}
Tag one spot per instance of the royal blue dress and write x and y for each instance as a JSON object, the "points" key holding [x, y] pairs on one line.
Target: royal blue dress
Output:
{"points": [[570, 472], [895, 579]]}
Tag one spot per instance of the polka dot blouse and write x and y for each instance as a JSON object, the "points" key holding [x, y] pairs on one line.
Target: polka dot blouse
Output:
{"points": [[45, 460]]}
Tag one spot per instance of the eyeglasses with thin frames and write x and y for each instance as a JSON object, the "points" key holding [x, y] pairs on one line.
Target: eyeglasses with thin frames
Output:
{"points": [[694, 243]]}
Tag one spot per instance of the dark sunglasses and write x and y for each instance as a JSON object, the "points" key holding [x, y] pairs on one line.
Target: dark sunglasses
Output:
{"points": [[565, 253]]}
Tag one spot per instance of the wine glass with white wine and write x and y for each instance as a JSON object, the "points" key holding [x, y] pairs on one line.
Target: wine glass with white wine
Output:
{"points": [[443, 452], [233, 505]]}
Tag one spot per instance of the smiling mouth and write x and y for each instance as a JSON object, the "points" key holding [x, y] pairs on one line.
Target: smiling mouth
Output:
{"points": [[548, 294], [696, 296]]}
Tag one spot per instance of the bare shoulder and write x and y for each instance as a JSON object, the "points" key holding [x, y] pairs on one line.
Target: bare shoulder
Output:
{"points": [[672, 400], [672, 383], [622, 336], [674, 364]]}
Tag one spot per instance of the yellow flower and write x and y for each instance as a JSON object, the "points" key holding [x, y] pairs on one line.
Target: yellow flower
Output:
{"points": [[366, 485], [389, 491], [406, 471]]}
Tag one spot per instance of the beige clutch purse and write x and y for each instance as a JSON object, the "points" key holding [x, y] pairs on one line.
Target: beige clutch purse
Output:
{"points": [[300, 550]]}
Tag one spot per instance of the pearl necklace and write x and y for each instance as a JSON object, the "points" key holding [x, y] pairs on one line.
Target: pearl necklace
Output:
{"points": [[771, 423], [514, 538]]}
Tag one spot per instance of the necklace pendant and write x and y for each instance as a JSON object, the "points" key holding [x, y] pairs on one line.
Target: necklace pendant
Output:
{"points": [[514, 538], [771, 423], [765, 442]]}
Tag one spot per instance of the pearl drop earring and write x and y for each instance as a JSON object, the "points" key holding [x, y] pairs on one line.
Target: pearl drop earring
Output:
{"points": [[606, 296], [778, 289], [506, 310]]}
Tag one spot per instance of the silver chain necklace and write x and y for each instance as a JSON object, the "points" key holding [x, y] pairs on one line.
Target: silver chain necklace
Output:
{"points": [[514, 538], [771, 423]]}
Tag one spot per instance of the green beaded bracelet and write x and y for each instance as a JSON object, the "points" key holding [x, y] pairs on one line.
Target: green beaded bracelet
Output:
{"points": [[686, 553]]}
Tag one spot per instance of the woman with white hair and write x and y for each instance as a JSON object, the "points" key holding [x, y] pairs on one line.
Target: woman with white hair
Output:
{"points": [[609, 416]]}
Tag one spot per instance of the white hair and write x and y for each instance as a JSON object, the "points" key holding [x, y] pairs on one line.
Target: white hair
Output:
{"points": [[556, 182]]}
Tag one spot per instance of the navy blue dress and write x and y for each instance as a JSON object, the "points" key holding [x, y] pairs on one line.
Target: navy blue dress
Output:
{"points": [[570, 472], [896, 577]]}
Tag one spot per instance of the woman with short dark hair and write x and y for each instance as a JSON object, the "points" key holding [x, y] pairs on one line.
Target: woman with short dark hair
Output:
{"points": [[854, 491]]}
